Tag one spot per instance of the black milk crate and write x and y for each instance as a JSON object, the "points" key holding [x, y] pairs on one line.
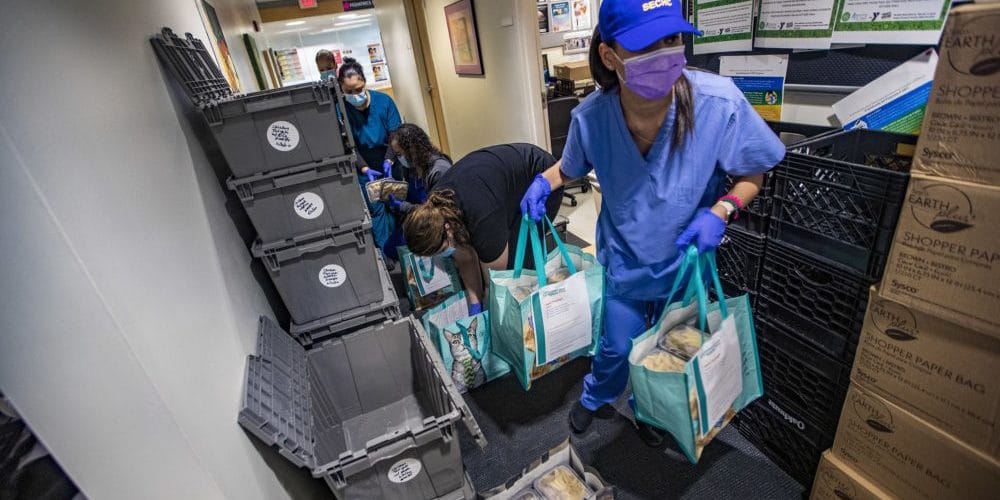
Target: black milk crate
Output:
{"points": [[801, 377], [739, 259], [792, 442], [839, 196], [303, 199], [815, 298], [262, 131], [755, 216]]}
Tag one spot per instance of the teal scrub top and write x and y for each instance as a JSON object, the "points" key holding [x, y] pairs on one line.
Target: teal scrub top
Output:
{"points": [[648, 200], [372, 126]]}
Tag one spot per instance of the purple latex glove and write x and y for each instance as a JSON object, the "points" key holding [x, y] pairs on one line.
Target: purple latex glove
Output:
{"points": [[705, 231], [475, 309], [373, 174], [387, 168], [533, 203], [394, 203]]}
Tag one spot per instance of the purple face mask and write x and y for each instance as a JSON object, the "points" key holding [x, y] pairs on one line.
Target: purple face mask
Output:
{"points": [[652, 76]]}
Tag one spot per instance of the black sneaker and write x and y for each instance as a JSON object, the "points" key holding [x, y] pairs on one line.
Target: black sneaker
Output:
{"points": [[650, 435], [580, 418]]}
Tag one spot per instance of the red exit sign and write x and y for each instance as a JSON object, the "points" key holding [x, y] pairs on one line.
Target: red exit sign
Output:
{"points": [[308, 4]]}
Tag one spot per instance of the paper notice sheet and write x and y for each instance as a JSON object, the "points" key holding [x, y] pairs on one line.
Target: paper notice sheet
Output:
{"points": [[454, 312], [562, 320], [915, 22], [727, 26], [795, 24], [761, 79], [718, 374], [895, 101], [431, 275]]}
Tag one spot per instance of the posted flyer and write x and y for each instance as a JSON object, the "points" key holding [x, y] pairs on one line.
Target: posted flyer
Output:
{"points": [[727, 26], [795, 24], [761, 78], [915, 22]]}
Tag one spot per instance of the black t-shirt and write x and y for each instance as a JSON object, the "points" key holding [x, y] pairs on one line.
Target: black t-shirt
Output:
{"points": [[488, 186]]}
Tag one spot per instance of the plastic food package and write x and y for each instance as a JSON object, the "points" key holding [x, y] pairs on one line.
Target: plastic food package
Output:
{"points": [[663, 361], [683, 341], [379, 190], [528, 494], [561, 483]]}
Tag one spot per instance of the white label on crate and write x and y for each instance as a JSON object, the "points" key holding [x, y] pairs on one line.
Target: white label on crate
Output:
{"points": [[283, 136], [308, 205], [404, 470], [332, 276]]}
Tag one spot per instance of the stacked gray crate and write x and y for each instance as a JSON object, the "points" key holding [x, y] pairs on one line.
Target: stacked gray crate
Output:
{"points": [[293, 168], [372, 413]]}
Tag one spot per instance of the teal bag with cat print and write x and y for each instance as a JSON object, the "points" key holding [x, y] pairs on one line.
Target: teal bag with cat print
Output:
{"points": [[464, 343]]}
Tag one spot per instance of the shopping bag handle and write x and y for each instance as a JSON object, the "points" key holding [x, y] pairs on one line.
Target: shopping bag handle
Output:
{"points": [[484, 343], [696, 262], [561, 246], [529, 230], [424, 274]]}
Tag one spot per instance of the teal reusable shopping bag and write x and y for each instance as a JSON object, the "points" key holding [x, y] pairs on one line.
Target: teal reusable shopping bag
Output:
{"points": [[464, 343], [426, 286], [521, 300], [694, 405]]}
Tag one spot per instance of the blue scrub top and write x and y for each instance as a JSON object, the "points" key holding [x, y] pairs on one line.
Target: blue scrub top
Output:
{"points": [[648, 201], [371, 127]]}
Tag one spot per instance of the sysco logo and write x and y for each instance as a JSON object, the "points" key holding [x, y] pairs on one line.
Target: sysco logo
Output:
{"points": [[873, 412], [942, 208], [973, 47], [893, 320]]}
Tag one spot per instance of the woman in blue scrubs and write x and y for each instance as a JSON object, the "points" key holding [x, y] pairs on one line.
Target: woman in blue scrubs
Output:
{"points": [[662, 139], [373, 117]]}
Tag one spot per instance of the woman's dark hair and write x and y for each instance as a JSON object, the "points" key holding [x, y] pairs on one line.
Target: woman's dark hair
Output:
{"points": [[425, 227], [416, 146], [349, 68], [683, 97]]}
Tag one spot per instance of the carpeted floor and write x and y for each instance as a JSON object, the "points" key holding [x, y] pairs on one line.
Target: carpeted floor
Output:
{"points": [[520, 426]]}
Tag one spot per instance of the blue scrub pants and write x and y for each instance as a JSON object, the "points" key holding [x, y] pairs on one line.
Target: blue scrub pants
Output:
{"points": [[624, 320]]}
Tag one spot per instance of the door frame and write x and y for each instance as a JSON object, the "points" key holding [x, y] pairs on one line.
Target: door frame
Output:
{"points": [[417, 20]]}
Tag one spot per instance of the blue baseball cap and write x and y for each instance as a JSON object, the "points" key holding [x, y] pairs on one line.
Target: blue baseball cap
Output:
{"points": [[637, 24]]}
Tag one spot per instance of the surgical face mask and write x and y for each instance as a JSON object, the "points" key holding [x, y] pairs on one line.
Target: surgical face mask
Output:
{"points": [[357, 100], [652, 76], [403, 162], [448, 252]]}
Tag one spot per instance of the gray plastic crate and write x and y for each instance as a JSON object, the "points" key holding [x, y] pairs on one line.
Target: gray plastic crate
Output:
{"points": [[326, 272], [262, 131], [303, 199], [373, 413], [338, 324]]}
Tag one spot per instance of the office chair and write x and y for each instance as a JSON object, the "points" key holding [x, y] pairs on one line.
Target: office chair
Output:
{"points": [[559, 118]]}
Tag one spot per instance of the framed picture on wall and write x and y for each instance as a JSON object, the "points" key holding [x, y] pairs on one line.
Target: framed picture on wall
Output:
{"points": [[461, 21], [543, 18]]}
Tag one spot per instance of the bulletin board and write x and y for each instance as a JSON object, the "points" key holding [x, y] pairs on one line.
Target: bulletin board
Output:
{"points": [[558, 18]]}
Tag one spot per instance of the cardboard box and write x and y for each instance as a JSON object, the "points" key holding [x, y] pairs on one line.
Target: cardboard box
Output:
{"points": [[907, 456], [575, 71], [962, 122], [564, 454], [943, 373], [945, 258], [836, 481]]}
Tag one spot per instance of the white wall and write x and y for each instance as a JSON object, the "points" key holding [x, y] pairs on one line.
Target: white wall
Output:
{"points": [[407, 89], [128, 306], [504, 105]]}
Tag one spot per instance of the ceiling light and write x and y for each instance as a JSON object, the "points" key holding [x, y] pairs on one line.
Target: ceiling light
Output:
{"points": [[295, 23]]}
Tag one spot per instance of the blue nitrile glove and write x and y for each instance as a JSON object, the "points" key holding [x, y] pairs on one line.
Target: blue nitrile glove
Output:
{"points": [[373, 174], [394, 203], [707, 227], [475, 309], [533, 203], [387, 168]]}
